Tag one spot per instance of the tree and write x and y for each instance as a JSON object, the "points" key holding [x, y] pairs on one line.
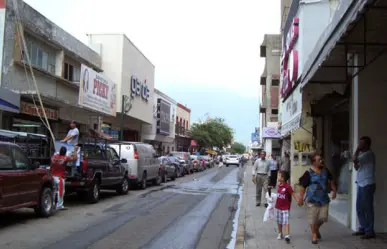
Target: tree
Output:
{"points": [[212, 133], [238, 148]]}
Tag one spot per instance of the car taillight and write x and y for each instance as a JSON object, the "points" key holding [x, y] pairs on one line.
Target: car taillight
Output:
{"points": [[136, 155], [84, 167], [195, 161]]}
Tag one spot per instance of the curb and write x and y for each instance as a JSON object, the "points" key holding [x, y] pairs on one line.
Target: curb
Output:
{"points": [[240, 236]]}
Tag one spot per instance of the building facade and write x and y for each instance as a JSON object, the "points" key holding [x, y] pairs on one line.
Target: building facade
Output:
{"points": [[161, 133], [183, 124], [55, 58], [134, 74], [270, 81], [345, 80]]}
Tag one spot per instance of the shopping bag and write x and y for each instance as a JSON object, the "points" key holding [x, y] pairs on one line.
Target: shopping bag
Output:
{"points": [[270, 210]]}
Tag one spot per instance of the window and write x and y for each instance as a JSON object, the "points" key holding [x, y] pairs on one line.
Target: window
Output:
{"points": [[21, 160], [112, 154], [40, 58], [5, 159], [275, 82], [274, 111], [72, 73]]}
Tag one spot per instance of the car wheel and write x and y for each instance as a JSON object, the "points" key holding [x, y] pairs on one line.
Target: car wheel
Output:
{"points": [[227, 165], [143, 181], [174, 176], [164, 177], [123, 188], [94, 192], [158, 180], [46, 203]]}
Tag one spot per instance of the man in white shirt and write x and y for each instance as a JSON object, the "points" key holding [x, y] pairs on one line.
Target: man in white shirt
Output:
{"points": [[261, 173], [73, 134]]}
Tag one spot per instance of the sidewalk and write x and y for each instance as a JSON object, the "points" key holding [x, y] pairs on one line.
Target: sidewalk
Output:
{"points": [[253, 233]]}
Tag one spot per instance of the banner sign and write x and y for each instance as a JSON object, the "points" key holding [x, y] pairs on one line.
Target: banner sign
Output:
{"points": [[270, 132], [291, 112], [37, 111], [97, 92], [255, 137], [163, 117]]}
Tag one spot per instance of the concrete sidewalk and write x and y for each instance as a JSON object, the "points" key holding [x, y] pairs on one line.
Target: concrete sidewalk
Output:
{"points": [[253, 233]]}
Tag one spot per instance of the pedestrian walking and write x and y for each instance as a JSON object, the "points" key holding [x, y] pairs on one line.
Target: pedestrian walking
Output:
{"points": [[315, 185], [364, 161], [274, 171], [283, 204], [220, 161], [261, 177], [58, 169]]}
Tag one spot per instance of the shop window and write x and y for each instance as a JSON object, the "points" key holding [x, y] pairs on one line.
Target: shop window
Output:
{"points": [[21, 161], [72, 73], [40, 58], [274, 111]]}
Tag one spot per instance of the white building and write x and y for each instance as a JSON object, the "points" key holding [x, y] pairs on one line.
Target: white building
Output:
{"points": [[134, 74], [161, 133]]}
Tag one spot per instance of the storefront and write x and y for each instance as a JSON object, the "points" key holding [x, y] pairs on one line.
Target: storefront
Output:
{"points": [[343, 62], [133, 75], [9, 103]]}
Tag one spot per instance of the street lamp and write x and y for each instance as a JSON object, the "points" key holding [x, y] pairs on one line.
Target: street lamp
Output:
{"points": [[126, 106]]}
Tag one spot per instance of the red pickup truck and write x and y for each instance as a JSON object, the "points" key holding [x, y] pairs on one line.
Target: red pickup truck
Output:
{"points": [[23, 183]]}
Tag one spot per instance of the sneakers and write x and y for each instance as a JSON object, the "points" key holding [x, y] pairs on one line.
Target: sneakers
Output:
{"points": [[279, 237], [287, 238]]}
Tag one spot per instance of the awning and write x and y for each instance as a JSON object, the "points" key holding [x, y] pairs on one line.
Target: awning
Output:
{"points": [[9, 101], [347, 12]]}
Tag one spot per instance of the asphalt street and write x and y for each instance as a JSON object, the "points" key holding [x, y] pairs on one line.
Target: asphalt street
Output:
{"points": [[195, 211]]}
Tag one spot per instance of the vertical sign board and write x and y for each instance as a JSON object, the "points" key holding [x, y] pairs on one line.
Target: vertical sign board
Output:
{"points": [[163, 117], [2, 32]]}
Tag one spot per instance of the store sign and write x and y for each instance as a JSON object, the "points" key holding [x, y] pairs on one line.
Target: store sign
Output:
{"points": [[37, 111], [97, 92], [163, 117], [270, 132], [255, 137], [113, 133], [291, 112], [289, 60], [139, 88]]}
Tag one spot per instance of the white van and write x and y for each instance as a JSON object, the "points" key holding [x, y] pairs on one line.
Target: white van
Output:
{"points": [[142, 162]]}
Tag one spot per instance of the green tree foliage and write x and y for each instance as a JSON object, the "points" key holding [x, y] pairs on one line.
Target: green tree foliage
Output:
{"points": [[238, 148], [212, 133]]}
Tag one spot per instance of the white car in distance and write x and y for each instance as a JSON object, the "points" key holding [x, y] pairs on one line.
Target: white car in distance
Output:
{"points": [[232, 159]]}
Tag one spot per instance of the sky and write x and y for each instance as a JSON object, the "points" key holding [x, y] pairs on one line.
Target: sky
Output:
{"points": [[206, 52]]}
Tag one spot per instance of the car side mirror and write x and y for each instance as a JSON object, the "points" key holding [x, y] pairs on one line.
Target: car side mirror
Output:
{"points": [[123, 160]]}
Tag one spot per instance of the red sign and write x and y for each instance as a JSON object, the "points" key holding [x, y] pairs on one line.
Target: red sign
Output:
{"points": [[289, 63], [193, 143], [30, 109]]}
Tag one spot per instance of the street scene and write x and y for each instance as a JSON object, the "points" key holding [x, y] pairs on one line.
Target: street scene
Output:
{"points": [[207, 124]]}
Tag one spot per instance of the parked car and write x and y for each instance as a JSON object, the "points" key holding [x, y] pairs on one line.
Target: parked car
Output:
{"points": [[232, 160], [184, 156], [206, 159], [101, 168], [168, 170], [142, 162], [178, 165], [22, 183], [196, 163], [202, 163]]}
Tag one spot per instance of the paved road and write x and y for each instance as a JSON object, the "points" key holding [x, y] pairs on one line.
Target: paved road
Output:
{"points": [[196, 211]]}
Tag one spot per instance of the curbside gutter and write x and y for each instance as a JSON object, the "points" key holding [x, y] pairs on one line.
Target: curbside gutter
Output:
{"points": [[240, 237]]}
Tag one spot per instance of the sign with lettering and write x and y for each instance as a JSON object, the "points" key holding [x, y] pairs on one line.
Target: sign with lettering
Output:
{"points": [[289, 60], [139, 88], [163, 117], [270, 132], [97, 92], [37, 110], [291, 112]]}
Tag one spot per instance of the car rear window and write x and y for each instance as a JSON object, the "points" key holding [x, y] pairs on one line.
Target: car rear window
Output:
{"points": [[93, 152], [232, 156], [5, 159]]}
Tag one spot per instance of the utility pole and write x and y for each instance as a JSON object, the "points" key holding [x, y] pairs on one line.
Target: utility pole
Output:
{"points": [[126, 106]]}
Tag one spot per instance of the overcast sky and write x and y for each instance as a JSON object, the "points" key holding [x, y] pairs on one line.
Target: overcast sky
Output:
{"points": [[206, 52]]}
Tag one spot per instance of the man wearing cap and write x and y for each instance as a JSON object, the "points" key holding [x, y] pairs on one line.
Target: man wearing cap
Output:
{"points": [[72, 135]]}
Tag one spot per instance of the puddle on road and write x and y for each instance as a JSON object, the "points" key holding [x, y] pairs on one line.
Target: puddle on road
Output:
{"points": [[204, 185]]}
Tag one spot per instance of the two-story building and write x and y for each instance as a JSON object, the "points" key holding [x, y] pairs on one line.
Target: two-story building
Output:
{"points": [[161, 133], [41, 61], [133, 74], [183, 123]]}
